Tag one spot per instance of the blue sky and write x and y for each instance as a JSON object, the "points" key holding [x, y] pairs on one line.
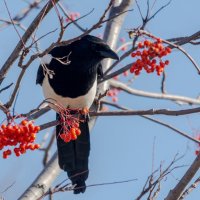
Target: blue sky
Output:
{"points": [[121, 146]]}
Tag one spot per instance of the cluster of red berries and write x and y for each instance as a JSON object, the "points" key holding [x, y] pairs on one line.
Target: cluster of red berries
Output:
{"points": [[149, 56], [73, 16], [20, 135], [70, 124], [71, 134]]}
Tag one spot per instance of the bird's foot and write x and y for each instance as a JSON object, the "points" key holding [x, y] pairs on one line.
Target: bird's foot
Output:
{"points": [[85, 114]]}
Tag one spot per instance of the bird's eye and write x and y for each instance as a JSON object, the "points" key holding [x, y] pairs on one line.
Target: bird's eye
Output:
{"points": [[93, 46]]}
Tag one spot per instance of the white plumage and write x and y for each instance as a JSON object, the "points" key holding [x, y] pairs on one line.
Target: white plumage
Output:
{"points": [[84, 101]]}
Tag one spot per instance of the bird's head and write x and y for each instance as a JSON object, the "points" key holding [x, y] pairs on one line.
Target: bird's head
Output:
{"points": [[97, 47]]}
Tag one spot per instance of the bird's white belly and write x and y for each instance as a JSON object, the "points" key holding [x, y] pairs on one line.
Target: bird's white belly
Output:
{"points": [[84, 101]]}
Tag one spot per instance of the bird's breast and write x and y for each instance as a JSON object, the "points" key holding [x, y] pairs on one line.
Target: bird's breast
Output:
{"points": [[78, 102]]}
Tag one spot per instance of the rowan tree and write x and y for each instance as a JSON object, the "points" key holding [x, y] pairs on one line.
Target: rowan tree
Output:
{"points": [[140, 155]]}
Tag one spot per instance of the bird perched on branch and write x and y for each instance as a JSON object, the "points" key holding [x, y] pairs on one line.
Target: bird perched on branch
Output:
{"points": [[68, 76]]}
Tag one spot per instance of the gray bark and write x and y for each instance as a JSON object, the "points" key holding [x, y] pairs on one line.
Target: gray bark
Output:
{"points": [[43, 182], [177, 191]]}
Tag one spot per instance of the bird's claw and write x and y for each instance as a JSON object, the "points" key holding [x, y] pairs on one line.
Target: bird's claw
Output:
{"points": [[85, 114]]}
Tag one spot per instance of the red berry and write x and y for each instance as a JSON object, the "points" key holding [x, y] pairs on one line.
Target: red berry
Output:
{"points": [[24, 122], [133, 54], [159, 40], [78, 131], [167, 62], [168, 50], [140, 45], [3, 126], [37, 129], [147, 43], [36, 146], [73, 136]]}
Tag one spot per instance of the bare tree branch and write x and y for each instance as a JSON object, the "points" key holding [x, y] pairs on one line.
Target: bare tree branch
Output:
{"points": [[176, 98], [172, 128], [43, 181], [190, 188], [156, 121], [68, 187], [147, 112], [177, 191], [17, 85], [22, 14], [157, 181], [26, 11]]}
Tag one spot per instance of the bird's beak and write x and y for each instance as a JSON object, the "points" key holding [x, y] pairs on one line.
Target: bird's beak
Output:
{"points": [[109, 53]]}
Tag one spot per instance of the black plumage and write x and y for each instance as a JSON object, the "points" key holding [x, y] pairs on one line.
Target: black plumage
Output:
{"points": [[75, 70]]}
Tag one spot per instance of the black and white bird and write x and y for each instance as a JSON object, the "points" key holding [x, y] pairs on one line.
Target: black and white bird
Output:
{"points": [[68, 75]]}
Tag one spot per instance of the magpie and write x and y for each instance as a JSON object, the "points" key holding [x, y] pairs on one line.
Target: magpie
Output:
{"points": [[68, 75]]}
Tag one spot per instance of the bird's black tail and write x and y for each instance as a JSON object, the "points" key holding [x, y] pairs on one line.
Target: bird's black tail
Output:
{"points": [[73, 157]]}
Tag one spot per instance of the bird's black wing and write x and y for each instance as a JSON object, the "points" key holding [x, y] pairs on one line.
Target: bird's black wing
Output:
{"points": [[40, 75], [57, 52], [100, 71]]}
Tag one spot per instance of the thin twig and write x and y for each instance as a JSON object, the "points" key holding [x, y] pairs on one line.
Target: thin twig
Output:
{"points": [[163, 174], [5, 88], [62, 43], [139, 9], [13, 95], [14, 55], [164, 6], [5, 190], [73, 21], [156, 121], [172, 128], [14, 24], [26, 11], [68, 187]]}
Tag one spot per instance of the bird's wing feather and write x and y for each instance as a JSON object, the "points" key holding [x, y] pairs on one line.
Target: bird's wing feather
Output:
{"points": [[40, 75], [57, 52], [100, 71]]}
